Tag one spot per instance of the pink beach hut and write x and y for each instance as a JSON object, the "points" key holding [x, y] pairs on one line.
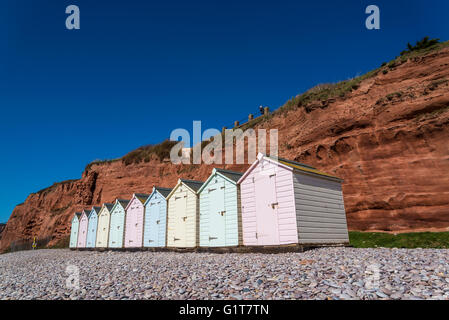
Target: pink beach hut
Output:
{"points": [[82, 234], [287, 202], [134, 221]]}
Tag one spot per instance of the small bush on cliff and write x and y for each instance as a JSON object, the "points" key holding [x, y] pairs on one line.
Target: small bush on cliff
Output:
{"points": [[420, 45], [100, 162]]}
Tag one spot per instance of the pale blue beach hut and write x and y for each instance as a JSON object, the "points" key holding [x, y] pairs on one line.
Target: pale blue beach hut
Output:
{"points": [[74, 229], [117, 224], [220, 215], [155, 219], [92, 227]]}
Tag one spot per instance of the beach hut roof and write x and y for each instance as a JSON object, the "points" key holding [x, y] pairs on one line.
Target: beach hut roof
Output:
{"points": [[290, 162], [163, 191], [108, 206], [193, 185], [86, 212], [96, 209], [292, 165], [78, 215], [122, 202], [142, 197], [231, 176]]}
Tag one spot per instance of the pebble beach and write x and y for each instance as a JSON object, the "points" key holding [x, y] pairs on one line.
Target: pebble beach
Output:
{"points": [[325, 273]]}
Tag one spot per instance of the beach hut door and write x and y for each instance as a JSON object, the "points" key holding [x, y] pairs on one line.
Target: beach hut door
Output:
{"points": [[181, 219], [154, 227], [217, 215], [266, 211]]}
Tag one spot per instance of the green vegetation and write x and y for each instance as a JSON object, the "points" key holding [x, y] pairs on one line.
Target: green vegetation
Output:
{"points": [[393, 95], [144, 154], [100, 162], [420, 45], [438, 240], [435, 84], [323, 92]]}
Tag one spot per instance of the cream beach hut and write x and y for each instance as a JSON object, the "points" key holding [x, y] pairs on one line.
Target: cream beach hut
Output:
{"points": [[74, 230], [286, 202], [183, 214], [117, 224], [104, 217], [220, 216]]}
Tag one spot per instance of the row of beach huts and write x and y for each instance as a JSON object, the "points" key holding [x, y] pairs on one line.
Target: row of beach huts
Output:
{"points": [[275, 202]]}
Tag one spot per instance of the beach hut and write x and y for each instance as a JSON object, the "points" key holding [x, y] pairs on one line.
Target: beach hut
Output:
{"points": [[220, 216], [104, 217], [134, 221], [287, 202], [92, 227], [155, 220], [117, 224], [74, 229], [82, 233], [183, 214]]}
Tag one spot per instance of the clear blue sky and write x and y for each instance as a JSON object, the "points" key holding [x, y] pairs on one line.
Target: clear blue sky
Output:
{"points": [[139, 69]]}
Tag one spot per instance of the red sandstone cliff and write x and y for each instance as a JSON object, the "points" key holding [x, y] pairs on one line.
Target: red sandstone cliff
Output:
{"points": [[388, 138]]}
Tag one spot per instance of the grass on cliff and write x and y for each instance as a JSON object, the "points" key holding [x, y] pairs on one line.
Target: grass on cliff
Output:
{"points": [[435, 240], [323, 92], [145, 153]]}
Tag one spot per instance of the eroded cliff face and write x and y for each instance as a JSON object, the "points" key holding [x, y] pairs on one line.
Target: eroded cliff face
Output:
{"points": [[388, 139]]}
